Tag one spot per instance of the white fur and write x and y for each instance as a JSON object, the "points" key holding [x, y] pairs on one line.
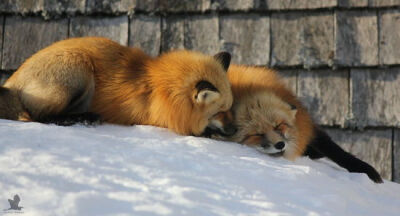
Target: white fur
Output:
{"points": [[207, 96], [217, 124], [270, 150]]}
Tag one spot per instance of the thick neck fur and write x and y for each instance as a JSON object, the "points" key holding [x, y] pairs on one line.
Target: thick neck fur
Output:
{"points": [[172, 78]]}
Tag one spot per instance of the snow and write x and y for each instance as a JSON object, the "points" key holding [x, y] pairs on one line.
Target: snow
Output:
{"points": [[144, 170]]}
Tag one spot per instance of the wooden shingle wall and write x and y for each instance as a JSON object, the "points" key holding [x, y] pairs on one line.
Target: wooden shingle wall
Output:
{"points": [[341, 57]]}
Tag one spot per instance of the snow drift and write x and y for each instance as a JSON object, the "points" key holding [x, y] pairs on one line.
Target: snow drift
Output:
{"points": [[143, 170]]}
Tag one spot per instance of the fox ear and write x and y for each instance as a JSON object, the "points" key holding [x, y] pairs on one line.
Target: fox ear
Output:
{"points": [[206, 96], [293, 110], [206, 92], [224, 58]]}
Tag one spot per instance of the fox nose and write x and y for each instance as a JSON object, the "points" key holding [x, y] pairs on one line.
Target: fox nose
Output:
{"points": [[279, 145], [230, 129]]}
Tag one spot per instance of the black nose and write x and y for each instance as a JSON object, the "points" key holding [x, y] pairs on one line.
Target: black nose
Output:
{"points": [[230, 129], [280, 145]]}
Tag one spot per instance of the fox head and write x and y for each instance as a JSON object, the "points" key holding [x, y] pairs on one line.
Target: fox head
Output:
{"points": [[193, 92], [266, 122]]}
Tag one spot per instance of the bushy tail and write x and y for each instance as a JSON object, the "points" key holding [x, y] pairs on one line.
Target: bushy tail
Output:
{"points": [[11, 107], [323, 145], [4, 104]]}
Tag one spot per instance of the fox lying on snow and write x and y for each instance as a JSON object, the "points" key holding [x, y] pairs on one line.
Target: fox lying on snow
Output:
{"points": [[71, 79], [269, 117]]}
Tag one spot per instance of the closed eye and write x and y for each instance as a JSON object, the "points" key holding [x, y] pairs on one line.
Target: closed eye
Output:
{"points": [[280, 126], [252, 136]]}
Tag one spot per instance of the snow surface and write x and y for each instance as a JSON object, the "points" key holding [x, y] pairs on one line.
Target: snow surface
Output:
{"points": [[143, 170]]}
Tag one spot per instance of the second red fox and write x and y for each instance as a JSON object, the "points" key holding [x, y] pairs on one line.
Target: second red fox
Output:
{"points": [[270, 118]]}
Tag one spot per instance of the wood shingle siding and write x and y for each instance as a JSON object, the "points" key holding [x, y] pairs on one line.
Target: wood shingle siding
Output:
{"points": [[341, 57]]}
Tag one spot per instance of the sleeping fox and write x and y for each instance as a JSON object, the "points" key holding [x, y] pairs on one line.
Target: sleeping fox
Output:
{"points": [[269, 117], [74, 78]]}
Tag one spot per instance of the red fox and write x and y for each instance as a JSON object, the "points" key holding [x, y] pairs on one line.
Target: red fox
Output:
{"points": [[269, 117], [69, 80]]}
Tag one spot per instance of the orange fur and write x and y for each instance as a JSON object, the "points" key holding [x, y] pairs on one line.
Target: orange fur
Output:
{"points": [[122, 84], [271, 119], [249, 81]]}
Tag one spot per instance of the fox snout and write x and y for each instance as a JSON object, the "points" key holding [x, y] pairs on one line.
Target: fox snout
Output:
{"points": [[279, 145], [221, 124], [274, 149]]}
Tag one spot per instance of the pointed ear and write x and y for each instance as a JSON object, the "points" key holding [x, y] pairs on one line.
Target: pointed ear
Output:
{"points": [[293, 110], [206, 96], [224, 58]]}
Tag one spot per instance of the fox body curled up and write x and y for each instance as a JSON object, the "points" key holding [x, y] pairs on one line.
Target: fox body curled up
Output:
{"points": [[270, 118], [179, 90]]}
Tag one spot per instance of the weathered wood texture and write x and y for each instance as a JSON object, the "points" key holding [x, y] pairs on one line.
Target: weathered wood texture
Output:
{"points": [[110, 6], [302, 39], [356, 38], [246, 48], [353, 3], [375, 97], [196, 32], [145, 33], [300, 4], [23, 36], [54, 8], [340, 57], [115, 28], [172, 33], [201, 34], [326, 95], [236, 5], [389, 41], [372, 146]]}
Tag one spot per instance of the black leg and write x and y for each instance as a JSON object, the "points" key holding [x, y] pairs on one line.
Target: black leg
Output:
{"points": [[87, 118], [323, 144], [312, 153]]}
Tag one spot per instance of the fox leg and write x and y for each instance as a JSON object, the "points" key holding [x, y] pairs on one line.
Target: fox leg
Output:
{"points": [[11, 107], [65, 88], [322, 144], [76, 111]]}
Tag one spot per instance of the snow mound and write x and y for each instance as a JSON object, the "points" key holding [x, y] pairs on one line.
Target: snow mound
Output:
{"points": [[143, 170]]}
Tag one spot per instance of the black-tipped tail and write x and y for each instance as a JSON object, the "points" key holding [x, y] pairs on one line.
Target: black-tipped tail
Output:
{"points": [[323, 145]]}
